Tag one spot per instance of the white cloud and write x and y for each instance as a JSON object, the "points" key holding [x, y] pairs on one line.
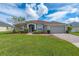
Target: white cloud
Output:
{"points": [[32, 5], [30, 13], [42, 9], [8, 10], [70, 20], [57, 15], [11, 9], [34, 14], [72, 8], [4, 19]]}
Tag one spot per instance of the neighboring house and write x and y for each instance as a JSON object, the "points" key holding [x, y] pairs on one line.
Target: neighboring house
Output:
{"points": [[75, 26], [5, 27], [54, 27]]}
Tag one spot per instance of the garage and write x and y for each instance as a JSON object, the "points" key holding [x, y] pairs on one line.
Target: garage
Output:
{"points": [[57, 29]]}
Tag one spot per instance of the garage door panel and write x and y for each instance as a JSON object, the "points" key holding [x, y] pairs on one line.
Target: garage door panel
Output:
{"points": [[58, 29]]}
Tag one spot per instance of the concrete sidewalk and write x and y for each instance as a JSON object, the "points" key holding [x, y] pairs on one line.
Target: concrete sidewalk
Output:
{"points": [[69, 37]]}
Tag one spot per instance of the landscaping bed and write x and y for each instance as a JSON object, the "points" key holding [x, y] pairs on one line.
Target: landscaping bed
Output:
{"points": [[41, 32]]}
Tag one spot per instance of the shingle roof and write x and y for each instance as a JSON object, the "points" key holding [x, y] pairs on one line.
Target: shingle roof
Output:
{"points": [[38, 22], [41, 22]]}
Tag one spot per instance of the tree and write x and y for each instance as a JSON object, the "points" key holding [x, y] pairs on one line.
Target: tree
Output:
{"points": [[15, 20], [21, 19]]}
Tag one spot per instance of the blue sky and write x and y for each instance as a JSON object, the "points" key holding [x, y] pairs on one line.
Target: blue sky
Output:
{"points": [[61, 12]]}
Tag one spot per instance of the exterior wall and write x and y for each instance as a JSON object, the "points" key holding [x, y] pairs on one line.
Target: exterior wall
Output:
{"points": [[75, 29], [39, 27], [45, 28], [48, 27]]}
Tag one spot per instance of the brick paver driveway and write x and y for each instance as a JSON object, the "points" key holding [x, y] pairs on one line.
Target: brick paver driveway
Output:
{"points": [[69, 37]]}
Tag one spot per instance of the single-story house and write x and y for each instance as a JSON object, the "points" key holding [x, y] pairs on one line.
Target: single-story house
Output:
{"points": [[54, 27], [75, 26], [5, 27]]}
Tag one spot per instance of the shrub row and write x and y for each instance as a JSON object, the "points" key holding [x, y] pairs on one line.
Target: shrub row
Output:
{"points": [[34, 32], [41, 32]]}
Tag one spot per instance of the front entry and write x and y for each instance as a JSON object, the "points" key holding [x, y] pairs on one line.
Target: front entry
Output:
{"points": [[31, 28]]}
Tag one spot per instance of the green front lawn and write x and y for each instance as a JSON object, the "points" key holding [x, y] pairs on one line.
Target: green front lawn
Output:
{"points": [[26, 45], [75, 33]]}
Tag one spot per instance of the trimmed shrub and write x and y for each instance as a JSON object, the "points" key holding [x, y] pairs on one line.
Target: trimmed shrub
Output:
{"points": [[36, 32], [26, 30], [48, 31], [39, 32]]}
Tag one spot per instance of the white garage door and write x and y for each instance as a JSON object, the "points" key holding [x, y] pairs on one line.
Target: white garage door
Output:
{"points": [[58, 29]]}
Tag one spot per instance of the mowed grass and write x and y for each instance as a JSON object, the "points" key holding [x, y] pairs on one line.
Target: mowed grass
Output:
{"points": [[35, 45], [75, 33]]}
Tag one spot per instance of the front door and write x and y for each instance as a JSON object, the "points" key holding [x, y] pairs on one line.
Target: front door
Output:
{"points": [[31, 28]]}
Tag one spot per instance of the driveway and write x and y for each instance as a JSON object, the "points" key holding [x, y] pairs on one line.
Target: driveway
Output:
{"points": [[69, 37]]}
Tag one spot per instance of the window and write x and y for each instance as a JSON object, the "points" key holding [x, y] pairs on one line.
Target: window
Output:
{"points": [[39, 27]]}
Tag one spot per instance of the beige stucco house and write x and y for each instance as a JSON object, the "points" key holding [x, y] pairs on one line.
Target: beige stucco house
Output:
{"points": [[54, 27]]}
